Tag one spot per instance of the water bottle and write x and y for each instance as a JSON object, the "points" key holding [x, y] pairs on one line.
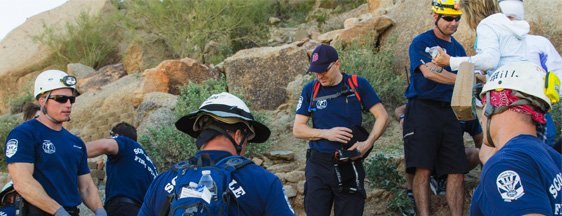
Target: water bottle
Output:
{"points": [[192, 186], [207, 181]]}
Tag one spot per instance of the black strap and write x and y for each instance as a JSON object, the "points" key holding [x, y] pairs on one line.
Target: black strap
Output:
{"points": [[166, 207]]}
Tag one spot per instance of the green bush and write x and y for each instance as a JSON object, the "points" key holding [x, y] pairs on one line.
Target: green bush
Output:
{"points": [[91, 40], [381, 172], [7, 123], [17, 101], [293, 13], [188, 26], [557, 118], [168, 145], [376, 65]]}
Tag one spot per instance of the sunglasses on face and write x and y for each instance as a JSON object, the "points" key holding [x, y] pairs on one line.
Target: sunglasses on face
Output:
{"points": [[450, 18], [62, 98]]}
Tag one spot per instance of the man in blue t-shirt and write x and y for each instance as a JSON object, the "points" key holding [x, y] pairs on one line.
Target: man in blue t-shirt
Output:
{"points": [[521, 174], [433, 140], [129, 170], [48, 164], [334, 101], [223, 126]]}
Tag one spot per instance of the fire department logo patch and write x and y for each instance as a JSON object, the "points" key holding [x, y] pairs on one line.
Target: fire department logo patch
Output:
{"points": [[48, 147], [11, 147], [315, 57], [509, 185]]}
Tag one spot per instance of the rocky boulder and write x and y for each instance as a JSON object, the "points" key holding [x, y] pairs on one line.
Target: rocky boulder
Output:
{"points": [[371, 27], [103, 76], [170, 75], [78, 70], [265, 72], [97, 111]]}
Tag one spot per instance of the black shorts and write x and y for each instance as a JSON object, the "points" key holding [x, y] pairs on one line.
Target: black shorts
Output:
{"points": [[433, 138]]}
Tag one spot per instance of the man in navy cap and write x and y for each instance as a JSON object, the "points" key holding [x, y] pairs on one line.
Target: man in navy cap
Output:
{"points": [[334, 101]]}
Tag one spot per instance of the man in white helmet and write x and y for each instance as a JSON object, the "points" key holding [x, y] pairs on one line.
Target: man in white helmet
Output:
{"points": [[48, 164], [223, 126], [523, 175]]}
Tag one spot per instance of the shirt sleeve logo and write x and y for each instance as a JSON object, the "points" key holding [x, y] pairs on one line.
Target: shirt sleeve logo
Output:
{"points": [[300, 103], [509, 185], [48, 147], [11, 147]]}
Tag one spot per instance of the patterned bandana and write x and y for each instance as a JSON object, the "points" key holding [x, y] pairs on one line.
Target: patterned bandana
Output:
{"points": [[505, 98]]}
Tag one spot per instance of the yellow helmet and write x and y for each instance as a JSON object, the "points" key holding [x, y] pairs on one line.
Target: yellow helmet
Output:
{"points": [[450, 7]]}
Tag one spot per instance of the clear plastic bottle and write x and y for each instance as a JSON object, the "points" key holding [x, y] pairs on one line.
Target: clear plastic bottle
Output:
{"points": [[207, 181], [192, 186]]}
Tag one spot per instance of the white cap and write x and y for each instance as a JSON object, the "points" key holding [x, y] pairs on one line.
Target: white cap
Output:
{"points": [[206, 172], [193, 184]]}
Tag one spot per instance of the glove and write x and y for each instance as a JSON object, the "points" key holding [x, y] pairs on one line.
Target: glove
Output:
{"points": [[101, 212], [61, 212]]}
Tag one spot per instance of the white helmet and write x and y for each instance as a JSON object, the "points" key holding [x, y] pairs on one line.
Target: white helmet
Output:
{"points": [[226, 108], [524, 77], [52, 79]]}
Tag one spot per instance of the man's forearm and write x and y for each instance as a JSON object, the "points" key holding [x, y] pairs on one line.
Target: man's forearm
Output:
{"points": [[90, 194]]}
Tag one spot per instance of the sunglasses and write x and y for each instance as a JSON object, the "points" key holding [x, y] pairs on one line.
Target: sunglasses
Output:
{"points": [[450, 18], [62, 98]]}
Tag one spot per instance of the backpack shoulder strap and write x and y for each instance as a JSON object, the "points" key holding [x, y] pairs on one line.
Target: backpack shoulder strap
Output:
{"points": [[315, 88], [233, 163], [353, 83], [166, 206]]}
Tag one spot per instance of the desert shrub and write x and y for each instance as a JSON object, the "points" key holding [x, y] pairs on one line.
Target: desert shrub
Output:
{"points": [[168, 145], [557, 118], [90, 40], [382, 173], [188, 26], [293, 13], [16, 101], [7, 123]]}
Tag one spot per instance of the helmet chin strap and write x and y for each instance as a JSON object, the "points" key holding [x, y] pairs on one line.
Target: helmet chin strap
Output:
{"points": [[237, 146], [44, 111], [439, 17]]}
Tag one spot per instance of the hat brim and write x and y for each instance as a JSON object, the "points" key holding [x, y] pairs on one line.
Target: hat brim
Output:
{"points": [[185, 124], [318, 68]]}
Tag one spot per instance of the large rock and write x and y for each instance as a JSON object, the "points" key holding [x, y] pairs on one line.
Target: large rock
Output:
{"points": [[156, 120], [140, 56], [19, 54], [265, 72], [103, 76], [96, 112], [78, 70], [153, 101], [170, 75], [371, 27]]}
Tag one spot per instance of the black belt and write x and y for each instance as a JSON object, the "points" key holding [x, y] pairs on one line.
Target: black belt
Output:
{"points": [[30, 209], [123, 199], [321, 156]]}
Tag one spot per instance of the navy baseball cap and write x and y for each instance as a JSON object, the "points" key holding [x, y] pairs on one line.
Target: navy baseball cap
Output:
{"points": [[321, 58]]}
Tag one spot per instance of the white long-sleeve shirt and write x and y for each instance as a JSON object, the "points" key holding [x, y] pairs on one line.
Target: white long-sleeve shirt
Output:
{"points": [[499, 41]]}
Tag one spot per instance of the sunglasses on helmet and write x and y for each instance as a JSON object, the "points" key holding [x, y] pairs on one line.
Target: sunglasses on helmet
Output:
{"points": [[62, 98], [450, 18]]}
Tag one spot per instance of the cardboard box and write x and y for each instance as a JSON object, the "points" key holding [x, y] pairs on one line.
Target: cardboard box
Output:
{"points": [[461, 102]]}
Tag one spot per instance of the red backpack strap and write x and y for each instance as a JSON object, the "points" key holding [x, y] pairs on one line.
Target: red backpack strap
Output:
{"points": [[314, 92], [353, 84]]}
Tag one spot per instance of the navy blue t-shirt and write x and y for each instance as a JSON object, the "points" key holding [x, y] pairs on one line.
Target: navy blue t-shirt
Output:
{"points": [[130, 171], [59, 158], [472, 127], [421, 87], [260, 192], [336, 112], [8, 211], [523, 177]]}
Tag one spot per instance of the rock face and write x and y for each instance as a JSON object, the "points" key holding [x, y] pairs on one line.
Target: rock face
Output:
{"points": [[265, 72], [371, 27], [103, 76], [19, 53], [172, 74]]}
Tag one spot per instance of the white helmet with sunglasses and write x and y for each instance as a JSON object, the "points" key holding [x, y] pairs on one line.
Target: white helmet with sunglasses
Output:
{"points": [[50, 80]]}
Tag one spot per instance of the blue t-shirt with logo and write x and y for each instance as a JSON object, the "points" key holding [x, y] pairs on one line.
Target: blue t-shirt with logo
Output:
{"points": [[129, 172], [421, 87], [260, 192], [523, 177], [8, 211], [59, 158], [336, 112]]}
